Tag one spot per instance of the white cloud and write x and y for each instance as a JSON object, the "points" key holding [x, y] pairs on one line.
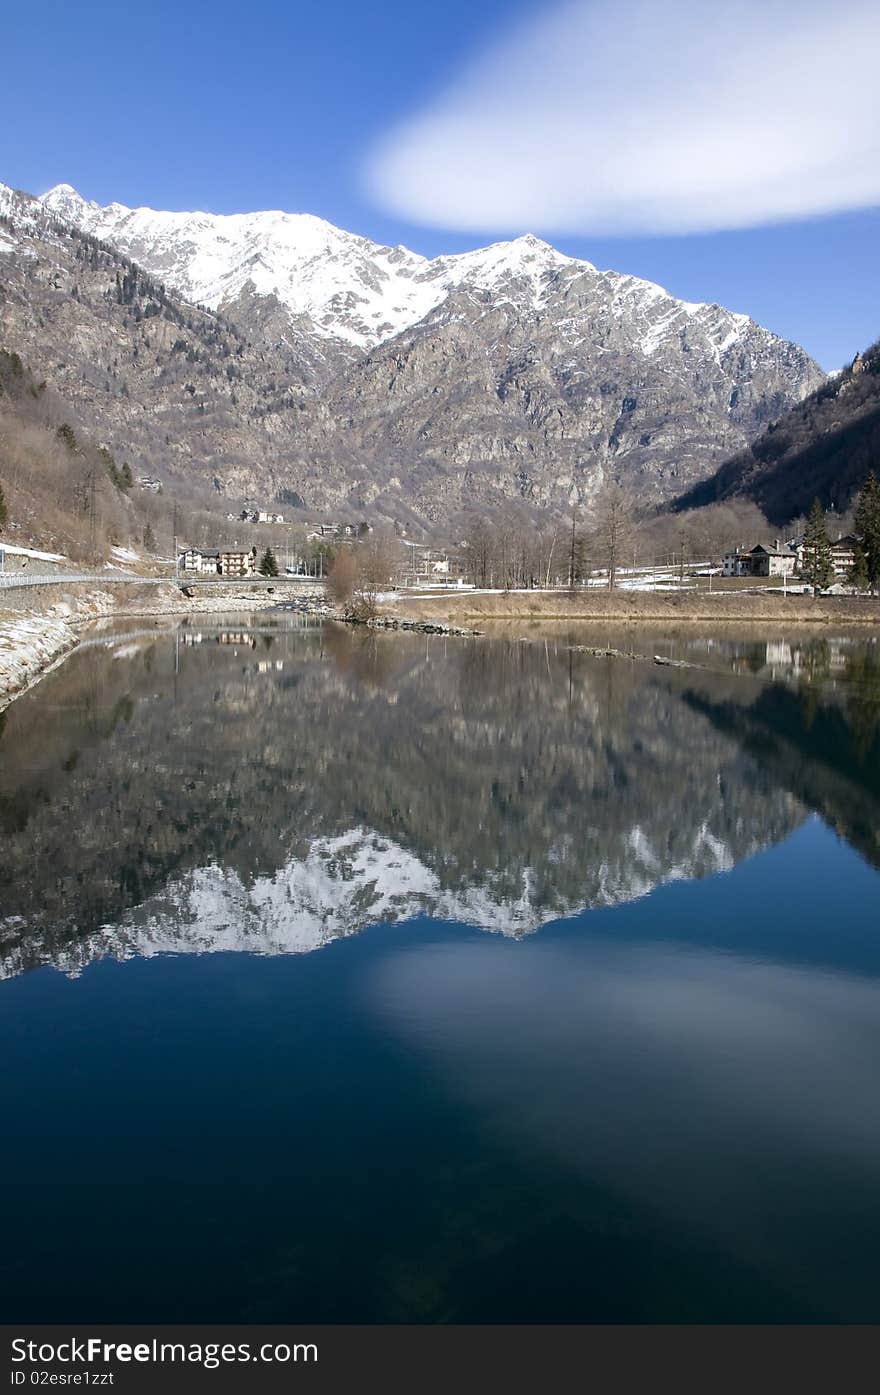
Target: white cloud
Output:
{"points": [[636, 116]]}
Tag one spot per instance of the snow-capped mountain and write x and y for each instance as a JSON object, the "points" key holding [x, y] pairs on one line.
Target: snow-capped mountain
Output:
{"points": [[358, 291], [331, 371]]}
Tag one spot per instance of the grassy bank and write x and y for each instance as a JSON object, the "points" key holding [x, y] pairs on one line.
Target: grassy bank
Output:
{"points": [[639, 607]]}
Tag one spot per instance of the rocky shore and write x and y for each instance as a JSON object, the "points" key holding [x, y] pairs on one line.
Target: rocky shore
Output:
{"points": [[396, 622]]}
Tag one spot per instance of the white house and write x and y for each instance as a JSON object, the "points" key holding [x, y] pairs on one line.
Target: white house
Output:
{"points": [[777, 559]]}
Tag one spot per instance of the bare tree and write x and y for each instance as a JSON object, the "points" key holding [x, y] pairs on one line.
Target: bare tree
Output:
{"points": [[360, 571], [478, 542], [343, 577], [614, 525], [379, 557]]}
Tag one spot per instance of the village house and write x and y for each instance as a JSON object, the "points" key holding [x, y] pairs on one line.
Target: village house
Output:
{"points": [[732, 562], [199, 561], [843, 553], [238, 562], [218, 561], [258, 516], [341, 532], [776, 560]]}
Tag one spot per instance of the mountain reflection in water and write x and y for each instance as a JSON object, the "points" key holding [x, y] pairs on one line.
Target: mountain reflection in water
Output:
{"points": [[659, 1107], [271, 786]]}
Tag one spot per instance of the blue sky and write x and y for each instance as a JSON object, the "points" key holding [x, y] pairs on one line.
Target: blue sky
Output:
{"points": [[411, 123]]}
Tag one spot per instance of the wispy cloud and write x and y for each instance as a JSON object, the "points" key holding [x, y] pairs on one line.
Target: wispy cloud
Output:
{"points": [[636, 116]]}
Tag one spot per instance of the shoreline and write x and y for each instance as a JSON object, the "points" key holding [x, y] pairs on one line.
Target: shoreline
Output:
{"points": [[638, 608], [33, 644]]}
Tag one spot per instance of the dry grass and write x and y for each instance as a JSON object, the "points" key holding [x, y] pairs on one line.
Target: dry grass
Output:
{"points": [[639, 607]]}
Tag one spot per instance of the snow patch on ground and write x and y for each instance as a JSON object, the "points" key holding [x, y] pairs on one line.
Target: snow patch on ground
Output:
{"points": [[28, 644], [32, 553]]}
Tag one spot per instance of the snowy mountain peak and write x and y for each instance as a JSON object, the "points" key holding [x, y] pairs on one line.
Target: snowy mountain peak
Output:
{"points": [[358, 292], [64, 201]]}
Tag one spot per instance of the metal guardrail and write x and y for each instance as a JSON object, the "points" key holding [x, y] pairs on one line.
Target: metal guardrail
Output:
{"points": [[12, 580], [253, 579]]}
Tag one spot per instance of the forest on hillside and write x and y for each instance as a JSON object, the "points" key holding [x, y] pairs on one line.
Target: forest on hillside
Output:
{"points": [[60, 488], [823, 448]]}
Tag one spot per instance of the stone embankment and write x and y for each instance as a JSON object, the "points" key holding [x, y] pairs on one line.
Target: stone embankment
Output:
{"points": [[396, 622], [34, 640]]}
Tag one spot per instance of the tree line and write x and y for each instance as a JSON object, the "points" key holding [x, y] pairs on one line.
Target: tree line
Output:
{"points": [[513, 548], [817, 566]]}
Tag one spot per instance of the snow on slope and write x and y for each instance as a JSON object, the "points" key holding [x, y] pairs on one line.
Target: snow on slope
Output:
{"points": [[353, 289]]}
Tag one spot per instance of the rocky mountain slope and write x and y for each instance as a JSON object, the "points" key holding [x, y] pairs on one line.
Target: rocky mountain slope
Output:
{"points": [[174, 390], [822, 448], [361, 377]]}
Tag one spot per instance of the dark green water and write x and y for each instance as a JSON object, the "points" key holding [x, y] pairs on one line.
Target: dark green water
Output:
{"points": [[382, 978]]}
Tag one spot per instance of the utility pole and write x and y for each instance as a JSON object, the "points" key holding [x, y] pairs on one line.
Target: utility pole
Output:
{"points": [[92, 536], [174, 537]]}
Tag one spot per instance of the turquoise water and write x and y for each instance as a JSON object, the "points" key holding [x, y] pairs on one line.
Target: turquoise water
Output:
{"points": [[376, 978]]}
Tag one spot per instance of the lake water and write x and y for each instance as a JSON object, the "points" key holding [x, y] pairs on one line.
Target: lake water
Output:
{"points": [[356, 977]]}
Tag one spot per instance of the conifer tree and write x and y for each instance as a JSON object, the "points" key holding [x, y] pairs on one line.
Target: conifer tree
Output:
{"points": [[268, 565], [868, 528], [857, 575], [3, 510], [818, 564]]}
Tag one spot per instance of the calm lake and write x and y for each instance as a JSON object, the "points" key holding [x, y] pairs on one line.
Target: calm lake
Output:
{"points": [[355, 977]]}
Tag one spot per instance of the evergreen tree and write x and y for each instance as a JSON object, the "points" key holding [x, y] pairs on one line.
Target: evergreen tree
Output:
{"points": [[818, 564], [67, 434], [268, 565], [4, 514], [868, 528], [857, 575], [149, 539]]}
